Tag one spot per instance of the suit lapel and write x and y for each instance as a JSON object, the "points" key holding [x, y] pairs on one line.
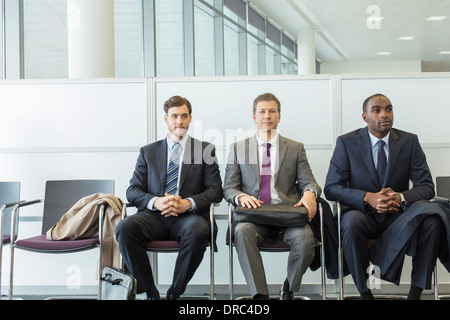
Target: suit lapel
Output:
{"points": [[251, 154], [282, 149], [365, 148], [394, 151], [161, 161], [188, 159]]}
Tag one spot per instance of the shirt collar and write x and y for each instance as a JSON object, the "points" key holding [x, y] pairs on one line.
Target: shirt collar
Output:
{"points": [[273, 141], [374, 140], [182, 142]]}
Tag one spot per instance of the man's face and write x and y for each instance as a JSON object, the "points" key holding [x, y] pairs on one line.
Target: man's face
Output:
{"points": [[379, 116], [178, 120], [266, 115]]}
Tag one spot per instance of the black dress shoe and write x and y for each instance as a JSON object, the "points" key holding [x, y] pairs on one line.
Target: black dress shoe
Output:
{"points": [[172, 297], [286, 295]]}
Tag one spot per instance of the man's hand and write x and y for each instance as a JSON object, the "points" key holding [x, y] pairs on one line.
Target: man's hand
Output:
{"points": [[250, 202], [172, 205], [309, 201], [385, 201]]}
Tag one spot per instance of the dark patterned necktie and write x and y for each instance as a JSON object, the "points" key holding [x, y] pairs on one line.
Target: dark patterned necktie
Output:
{"points": [[264, 192], [381, 171]]}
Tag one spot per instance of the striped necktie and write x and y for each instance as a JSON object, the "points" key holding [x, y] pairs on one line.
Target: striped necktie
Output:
{"points": [[172, 170]]}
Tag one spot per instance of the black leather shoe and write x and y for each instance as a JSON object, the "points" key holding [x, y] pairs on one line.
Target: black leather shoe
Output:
{"points": [[172, 297], [286, 295]]}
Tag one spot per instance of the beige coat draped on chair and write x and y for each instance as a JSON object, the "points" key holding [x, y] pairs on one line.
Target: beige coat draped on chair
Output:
{"points": [[82, 221]]}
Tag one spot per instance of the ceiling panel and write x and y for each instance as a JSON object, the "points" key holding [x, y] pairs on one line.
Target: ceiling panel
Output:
{"points": [[345, 23]]}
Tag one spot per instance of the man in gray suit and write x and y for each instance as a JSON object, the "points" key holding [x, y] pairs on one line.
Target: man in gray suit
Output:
{"points": [[174, 182], [268, 168]]}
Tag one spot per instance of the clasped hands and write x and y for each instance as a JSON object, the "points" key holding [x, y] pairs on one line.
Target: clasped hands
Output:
{"points": [[172, 205], [308, 200], [385, 201]]}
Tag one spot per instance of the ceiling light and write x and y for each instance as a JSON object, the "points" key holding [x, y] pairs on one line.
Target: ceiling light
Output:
{"points": [[383, 53], [406, 38], [436, 18], [444, 52]]}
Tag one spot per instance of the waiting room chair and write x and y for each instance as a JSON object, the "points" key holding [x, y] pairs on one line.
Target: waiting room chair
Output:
{"points": [[9, 197], [171, 246], [370, 243], [60, 196], [280, 246], [442, 195]]}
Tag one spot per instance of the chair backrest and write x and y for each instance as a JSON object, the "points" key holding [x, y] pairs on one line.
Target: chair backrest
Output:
{"points": [[9, 192], [61, 195], [443, 187]]}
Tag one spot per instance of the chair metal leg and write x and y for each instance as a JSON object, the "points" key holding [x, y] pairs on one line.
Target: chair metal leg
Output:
{"points": [[322, 255], [13, 236], [100, 251], [211, 247], [340, 254], [230, 251], [435, 283]]}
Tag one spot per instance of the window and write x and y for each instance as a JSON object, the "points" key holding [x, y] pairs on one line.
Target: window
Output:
{"points": [[204, 41], [231, 49], [128, 38], [169, 38], [46, 38]]}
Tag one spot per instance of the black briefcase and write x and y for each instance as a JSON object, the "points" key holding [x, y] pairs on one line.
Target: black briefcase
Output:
{"points": [[117, 285], [281, 215]]}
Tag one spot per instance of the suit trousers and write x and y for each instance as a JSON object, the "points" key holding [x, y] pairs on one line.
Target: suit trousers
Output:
{"points": [[358, 227], [301, 243], [191, 230]]}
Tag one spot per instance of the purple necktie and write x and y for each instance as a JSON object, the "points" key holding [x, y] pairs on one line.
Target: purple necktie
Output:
{"points": [[264, 192]]}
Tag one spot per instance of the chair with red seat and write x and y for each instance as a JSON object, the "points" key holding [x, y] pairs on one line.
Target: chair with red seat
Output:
{"points": [[370, 243], [172, 246], [279, 246], [60, 196]]}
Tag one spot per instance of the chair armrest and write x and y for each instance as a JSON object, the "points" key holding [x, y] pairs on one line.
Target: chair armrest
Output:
{"points": [[441, 199], [20, 204], [124, 209], [11, 204]]}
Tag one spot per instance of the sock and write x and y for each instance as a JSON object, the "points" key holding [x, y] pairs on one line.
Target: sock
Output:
{"points": [[285, 286], [414, 293], [153, 293], [367, 295]]}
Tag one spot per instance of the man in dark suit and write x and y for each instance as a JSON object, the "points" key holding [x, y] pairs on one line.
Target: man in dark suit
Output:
{"points": [[289, 181], [173, 185], [370, 172]]}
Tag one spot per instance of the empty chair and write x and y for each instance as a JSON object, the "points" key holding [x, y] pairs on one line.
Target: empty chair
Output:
{"points": [[60, 196], [9, 197]]}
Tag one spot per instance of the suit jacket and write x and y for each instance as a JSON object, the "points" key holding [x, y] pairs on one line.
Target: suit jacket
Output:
{"points": [[292, 178], [352, 172], [200, 176]]}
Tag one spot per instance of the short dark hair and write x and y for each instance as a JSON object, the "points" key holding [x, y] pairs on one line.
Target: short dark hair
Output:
{"points": [[266, 97], [177, 101], [366, 102]]}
